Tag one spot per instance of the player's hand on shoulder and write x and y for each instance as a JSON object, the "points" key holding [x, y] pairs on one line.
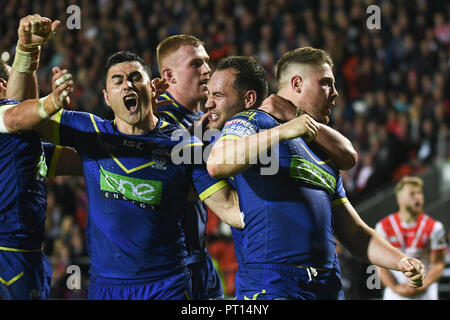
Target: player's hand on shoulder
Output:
{"points": [[62, 86], [35, 30], [414, 271], [304, 126]]}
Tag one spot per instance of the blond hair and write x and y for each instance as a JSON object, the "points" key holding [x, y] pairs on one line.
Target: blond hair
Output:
{"points": [[414, 181], [171, 44], [305, 56]]}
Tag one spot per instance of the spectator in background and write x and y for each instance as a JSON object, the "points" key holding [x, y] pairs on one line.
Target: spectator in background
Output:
{"points": [[416, 234]]}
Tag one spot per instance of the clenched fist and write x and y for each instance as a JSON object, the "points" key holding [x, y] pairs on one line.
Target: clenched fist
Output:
{"points": [[34, 31]]}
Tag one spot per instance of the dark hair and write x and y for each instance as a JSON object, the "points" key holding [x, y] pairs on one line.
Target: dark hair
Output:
{"points": [[4, 74], [125, 56], [250, 75]]}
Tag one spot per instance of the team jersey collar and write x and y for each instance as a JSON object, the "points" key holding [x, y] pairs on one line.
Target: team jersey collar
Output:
{"points": [[167, 96], [152, 131]]}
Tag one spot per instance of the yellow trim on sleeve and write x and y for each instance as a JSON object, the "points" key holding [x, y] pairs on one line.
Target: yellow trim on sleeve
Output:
{"points": [[57, 120], [54, 162], [213, 189], [10, 282], [230, 137], [19, 250], [337, 202], [94, 123]]}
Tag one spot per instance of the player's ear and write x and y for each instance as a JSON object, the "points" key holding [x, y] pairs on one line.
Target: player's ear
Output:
{"points": [[167, 74], [105, 96], [250, 99], [3, 85], [296, 83]]}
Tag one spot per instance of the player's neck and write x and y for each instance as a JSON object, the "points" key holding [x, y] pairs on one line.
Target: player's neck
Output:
{"points": [[190, 104], [407, 217], [140, 128], [287, 94]]}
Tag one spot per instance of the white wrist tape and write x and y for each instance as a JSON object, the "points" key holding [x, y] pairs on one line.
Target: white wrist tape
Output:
{"points": [[3, 128], [41, 108], [63, 79], [26, 62], [38, 44]]}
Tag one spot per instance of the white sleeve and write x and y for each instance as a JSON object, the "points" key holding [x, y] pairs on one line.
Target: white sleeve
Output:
{"points": [[438, 239], [380, 230]]}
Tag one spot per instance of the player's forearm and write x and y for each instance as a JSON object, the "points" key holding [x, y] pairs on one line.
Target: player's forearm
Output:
{"points": [[22, 82], [22, 86], [433, 274], [225, 204], [338, 147], [381, 253], [386, 278], [363, 241], [230, 157], [29, 114]]}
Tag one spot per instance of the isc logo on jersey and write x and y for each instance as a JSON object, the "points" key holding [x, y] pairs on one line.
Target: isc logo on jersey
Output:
{"points": [[145, 193]]}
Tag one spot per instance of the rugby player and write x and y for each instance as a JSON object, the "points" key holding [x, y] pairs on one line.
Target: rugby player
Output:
{"points": [[135, 190], [287, 248], [183, 63], [25, 272]]}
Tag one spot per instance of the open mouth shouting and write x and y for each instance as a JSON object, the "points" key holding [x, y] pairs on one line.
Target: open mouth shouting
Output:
{"points": [[204, 83], [131, 102]]}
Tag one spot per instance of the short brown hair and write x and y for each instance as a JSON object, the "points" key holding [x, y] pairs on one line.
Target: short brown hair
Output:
{"points": [[415, 181], [172, 43], [4, 73], [305, 55]]}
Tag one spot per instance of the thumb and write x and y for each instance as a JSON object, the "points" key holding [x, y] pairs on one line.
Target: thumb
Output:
{"points": [[56, 70], [55, 25]]}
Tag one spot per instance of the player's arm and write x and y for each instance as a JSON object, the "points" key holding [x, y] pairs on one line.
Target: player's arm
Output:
{"points": [[225, 204], [33, 32], [62, 161], [366, 244], [230, 157], [33, 114], [336, 145]]}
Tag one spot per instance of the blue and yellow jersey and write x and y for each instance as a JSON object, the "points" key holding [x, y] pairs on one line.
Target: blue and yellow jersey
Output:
{"points": [[176, 113], [23, 190], [288, 214], [136, 194], [196, 213]]}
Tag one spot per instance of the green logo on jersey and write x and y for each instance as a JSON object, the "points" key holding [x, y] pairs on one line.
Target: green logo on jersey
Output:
{"points": [[310, 173], [134, 189], [42, 166]]}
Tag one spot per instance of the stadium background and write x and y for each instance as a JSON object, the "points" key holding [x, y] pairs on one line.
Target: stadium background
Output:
{"points": [[393, 84]]}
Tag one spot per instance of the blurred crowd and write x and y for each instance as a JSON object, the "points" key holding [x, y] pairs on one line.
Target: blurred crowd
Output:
{"points": [[394, 97]]}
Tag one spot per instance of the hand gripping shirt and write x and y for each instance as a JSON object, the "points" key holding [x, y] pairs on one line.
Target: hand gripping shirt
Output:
{"points": [[288, 215], [136, 194], [23, 189], [196, 215]]}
